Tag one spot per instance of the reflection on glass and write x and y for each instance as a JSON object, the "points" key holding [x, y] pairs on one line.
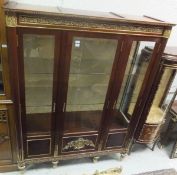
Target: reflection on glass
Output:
{"points": [[1, 78], [90, 69], [91, 64], [160, 106], [38, 67], [137, 65]]}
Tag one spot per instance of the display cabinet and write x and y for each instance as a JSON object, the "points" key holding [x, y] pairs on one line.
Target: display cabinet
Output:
{"points": [[80, 81], [164, 90], [168, 134], [171, 130], [8, 141]]}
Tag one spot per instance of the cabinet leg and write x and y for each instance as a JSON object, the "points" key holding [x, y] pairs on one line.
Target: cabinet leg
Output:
{"points": [[21, 167], [95, 159], [160, 146], [130, 146], [123, 155], [55, 163]]}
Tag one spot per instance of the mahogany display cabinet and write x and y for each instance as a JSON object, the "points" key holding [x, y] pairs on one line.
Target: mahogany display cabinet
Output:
{"points": [[79, 82]]}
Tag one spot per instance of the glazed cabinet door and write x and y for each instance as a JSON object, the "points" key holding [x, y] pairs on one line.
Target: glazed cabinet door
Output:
{"points": [[89, 61], [130, 82], [163, 98], [37, 90]]}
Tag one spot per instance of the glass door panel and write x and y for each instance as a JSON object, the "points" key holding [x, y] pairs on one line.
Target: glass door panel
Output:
{"points": [[90, 70], [160, 105], [1, 78], [38, 72], [134, 75]]}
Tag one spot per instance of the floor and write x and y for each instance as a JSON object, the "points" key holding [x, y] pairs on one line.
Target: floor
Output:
{"points": [[141, 159]]}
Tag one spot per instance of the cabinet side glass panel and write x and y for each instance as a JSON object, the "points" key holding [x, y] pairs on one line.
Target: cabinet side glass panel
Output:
{"points": [[133, 79], [38, 72], [90, 70], [159, 108], [1, 77]]}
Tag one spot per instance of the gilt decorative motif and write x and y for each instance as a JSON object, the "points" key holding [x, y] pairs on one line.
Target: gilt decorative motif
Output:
{"points": [[112, 171], [167, 33], [3, 116], [74, 22], [11, 20], [79, 144]]}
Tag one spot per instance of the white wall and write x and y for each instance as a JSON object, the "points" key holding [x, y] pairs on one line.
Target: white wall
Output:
{"points": [[162, 9]]}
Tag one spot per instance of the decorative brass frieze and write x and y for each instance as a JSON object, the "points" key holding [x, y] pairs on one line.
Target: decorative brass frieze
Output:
{"points": [[167, 33], [3, 138], [3, 116], [11, 20], [81, 23], [79, 144]]}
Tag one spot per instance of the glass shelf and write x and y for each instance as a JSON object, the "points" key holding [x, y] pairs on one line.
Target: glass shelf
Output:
{"points": [[90, 71], [38, 72], [82, 122]]}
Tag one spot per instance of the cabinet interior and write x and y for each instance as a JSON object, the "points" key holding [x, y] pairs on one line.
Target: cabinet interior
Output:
{"points": [[161, 103], [1, 78]]}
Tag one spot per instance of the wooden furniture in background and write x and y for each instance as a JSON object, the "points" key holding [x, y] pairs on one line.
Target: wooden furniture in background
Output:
{"points": [[172, 125], [79, 81], [170, 134], [163, 89], [8, 141]]}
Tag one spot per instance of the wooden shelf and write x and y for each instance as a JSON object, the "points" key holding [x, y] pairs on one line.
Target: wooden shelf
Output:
{"points": [[38, 124], [118, 122], [82, 122]]}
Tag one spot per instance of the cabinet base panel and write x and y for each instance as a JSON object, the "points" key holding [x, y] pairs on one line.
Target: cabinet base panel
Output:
{"points": [[7, 168], [75, 156]]}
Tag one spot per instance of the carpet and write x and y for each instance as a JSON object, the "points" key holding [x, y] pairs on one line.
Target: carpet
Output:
{"points": [[160, 172]]}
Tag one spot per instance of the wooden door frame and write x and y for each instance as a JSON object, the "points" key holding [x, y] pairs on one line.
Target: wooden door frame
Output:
{"points": [[139, 116], [120, 70], [21, 80], [64, 73]]}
